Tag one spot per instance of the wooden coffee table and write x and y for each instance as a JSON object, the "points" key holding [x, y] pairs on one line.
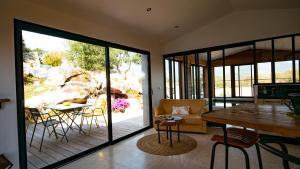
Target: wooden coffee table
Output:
{"points": [[168, 121]]}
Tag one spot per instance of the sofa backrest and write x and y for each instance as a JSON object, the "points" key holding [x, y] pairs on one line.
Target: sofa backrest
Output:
{"points": [[196, 105]]}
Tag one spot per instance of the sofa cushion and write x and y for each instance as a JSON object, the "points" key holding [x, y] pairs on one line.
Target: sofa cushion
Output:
{"points": [[194, 119], [183, 110]]}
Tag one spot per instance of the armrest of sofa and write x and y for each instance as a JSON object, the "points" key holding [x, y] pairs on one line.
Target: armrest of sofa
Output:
{"points": [[157, 111]]}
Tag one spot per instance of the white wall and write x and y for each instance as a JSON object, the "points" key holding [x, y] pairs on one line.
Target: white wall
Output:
{"points": [[27, 11], [238, 27]]}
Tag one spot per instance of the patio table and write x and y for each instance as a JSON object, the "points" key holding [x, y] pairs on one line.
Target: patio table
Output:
{"points": [[262, 117], [71, 112]]}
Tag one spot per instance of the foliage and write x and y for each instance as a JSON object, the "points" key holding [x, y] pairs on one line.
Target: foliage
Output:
{"points": [[27, 52], [87, 56], [53, 59], [39, 53], [119, 105], [31, 90], [133, 93], [92, 57], [120, 57], [29, 79]]}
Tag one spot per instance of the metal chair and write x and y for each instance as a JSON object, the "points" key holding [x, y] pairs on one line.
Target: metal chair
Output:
{"points": [[47, 121], [93, 112], [240, 139]]}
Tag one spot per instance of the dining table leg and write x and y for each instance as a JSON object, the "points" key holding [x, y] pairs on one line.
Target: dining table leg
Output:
{"points": [[226, 146]]}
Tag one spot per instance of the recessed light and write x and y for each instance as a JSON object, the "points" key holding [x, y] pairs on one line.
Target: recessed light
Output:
{"points": [[148, 9], [176, 26]]}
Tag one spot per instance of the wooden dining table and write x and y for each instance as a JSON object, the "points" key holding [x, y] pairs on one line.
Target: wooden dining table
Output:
{"points": [[276, 119]]}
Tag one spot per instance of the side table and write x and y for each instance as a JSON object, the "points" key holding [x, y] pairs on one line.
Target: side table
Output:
{"points": [[168, 122]]}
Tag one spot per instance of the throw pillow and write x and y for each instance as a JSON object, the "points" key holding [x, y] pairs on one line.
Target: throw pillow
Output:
{"points": [[183, 110]]}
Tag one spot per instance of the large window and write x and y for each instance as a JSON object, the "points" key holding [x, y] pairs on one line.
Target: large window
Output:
{"points": [[74, 101], [230, 71]]}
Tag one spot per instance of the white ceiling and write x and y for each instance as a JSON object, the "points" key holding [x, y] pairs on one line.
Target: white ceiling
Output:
{"points": [[165, 14]]}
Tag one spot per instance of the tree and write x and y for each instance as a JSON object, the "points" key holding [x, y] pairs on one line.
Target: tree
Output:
{"points": [[53, 59], [27, 52], [92, 57], [39, 53], [123, 59], [87, 56]]}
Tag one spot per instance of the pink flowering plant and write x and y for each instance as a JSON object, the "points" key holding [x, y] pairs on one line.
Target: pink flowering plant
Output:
{"points": [[119, 105]]}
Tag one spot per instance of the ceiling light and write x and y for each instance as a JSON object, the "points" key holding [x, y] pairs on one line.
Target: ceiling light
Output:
{"points": [[176, 26], [148, 9]]}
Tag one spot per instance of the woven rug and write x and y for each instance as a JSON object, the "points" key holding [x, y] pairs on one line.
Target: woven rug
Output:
{"points": [[149, 144]]}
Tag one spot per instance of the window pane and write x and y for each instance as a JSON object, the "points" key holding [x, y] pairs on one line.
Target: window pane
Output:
{"points": [[284, 72], [264, 57], [60, 77], [297, 54], [228, 81], [237, 80], [219, 90], [129, 92], [264, 72], [283, 60], [177, 80], [246, 80], [167, 78]]}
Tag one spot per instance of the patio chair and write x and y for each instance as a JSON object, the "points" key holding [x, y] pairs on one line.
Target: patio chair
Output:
{"points": [[93, 112], [47, 121]]}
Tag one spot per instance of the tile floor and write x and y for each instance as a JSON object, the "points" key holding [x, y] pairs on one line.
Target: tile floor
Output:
{"points": [[125, 155]]}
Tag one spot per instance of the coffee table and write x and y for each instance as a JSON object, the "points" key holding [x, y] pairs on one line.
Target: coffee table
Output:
{"points": [[168, 121]]}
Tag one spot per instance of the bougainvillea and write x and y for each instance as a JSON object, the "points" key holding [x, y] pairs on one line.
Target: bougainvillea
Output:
{"points": [[119, 105]]}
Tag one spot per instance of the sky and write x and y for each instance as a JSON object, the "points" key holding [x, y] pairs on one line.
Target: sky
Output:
{"points": [[45, 42]]}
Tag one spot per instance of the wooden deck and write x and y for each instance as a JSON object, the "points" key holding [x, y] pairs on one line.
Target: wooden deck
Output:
{"points": [[54, 150]]}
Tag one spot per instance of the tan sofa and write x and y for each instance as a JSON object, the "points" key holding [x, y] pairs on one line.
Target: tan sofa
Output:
{"points": [[191, 122]]}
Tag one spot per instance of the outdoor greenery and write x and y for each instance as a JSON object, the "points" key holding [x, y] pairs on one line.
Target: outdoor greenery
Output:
{"points": [[53, 59], [87, 56], [92, 57]]}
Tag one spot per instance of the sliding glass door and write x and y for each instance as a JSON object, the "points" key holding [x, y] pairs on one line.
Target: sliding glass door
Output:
{"points": [[76, 94], [129, 92]]}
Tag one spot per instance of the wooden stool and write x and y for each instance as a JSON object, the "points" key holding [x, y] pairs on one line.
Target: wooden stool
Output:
{"points": [[238, 138]]}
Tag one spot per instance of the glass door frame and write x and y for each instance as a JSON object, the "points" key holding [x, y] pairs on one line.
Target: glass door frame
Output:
{"points": [[19, 26]]}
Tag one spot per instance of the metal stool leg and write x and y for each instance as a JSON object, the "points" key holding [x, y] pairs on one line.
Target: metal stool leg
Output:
{"points": [[285, 150], [167, 132], [158, 133], [246, 157], [259, 156], [212, 160]]}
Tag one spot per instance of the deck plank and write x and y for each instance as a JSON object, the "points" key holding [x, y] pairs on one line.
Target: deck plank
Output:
{"points": [[55, 150]]}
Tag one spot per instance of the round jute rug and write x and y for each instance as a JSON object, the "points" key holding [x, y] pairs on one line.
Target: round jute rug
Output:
{"points": [[149, 144]]}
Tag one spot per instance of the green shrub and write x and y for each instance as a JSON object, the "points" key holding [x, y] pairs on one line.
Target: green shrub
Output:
{"points": [[53, 59]]}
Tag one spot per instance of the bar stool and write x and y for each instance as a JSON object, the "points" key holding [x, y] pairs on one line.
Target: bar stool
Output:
{"points": [[240, 139]]}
